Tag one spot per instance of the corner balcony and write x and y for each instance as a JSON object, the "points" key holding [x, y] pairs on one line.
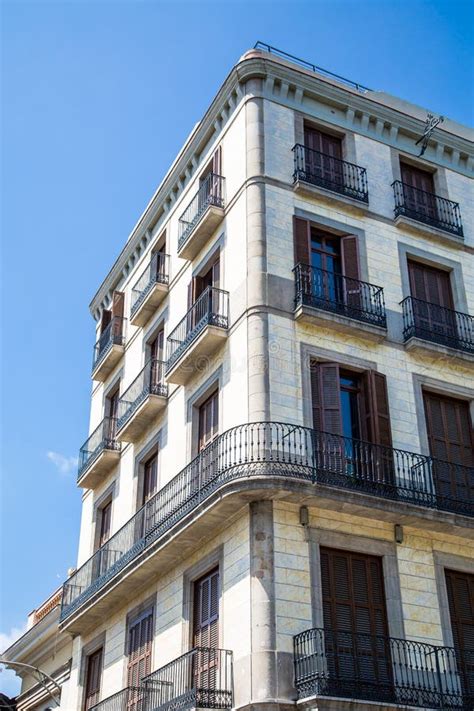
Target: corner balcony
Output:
{"points": [[109, 349], [202, 216], [142, 402], [255, 459], [366, 668], [197, 336], [430, 327], [320, 174], [150, 289], [426, 212], [199, 679], [345, 304], [99, 454]]}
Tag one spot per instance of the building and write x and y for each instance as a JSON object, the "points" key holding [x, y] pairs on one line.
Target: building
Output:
{"points": [[278, 480]]}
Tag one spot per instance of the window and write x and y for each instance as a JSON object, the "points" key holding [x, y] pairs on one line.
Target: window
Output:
{"points": [[140, 639], [155, 349], [355, 621], [111, 413], [323, 157], [105, 518], [208, 421], [418, 190], [451, 444], [93, 679], [432, 301], [150, 478], [196, 288], [206, 611], [350, 387], [460, 588]]}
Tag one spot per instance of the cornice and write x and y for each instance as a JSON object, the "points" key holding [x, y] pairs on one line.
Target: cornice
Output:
{"points": [[38, 640], [365, 113]]}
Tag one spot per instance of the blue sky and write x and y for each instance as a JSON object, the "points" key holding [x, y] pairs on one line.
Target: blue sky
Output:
{"points": [[98, 97]]}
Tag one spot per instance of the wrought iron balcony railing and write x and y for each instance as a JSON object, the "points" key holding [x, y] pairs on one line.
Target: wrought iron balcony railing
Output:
{"points": [[383, 669], [437, 324], [272, 449], [428, 208], [339, 294], [156, 272], [331, 173], [103, 437], [150, 381], [201, 678], [112, 335], [132, 698], [210, 309], [211, 192]]}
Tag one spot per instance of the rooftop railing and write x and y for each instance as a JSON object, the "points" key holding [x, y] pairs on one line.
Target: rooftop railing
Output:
{"points": [[437, 324], [428, 208], [286, 451], [201, 678], [383, 669], [210, 309], [339, 294], [211, 192], [113, 334], [150, 381], [331, 173], [156, 272], [103, 437]]}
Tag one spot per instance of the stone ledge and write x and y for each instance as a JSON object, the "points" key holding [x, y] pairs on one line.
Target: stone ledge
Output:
{"points": [[420, 344], [420, 228], [329, 196], [343, 324]]}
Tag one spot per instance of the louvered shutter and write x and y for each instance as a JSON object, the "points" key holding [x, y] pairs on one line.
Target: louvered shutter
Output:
{"points": [[93, 679], [217, 161], [326, 400], [451, 444], [351, 270], [206, 636], [105, 521], [105, 319], [301, 232], [377, 408], [418, 190], [460, 587], [140, 639], [118, 305], [355, 621]]}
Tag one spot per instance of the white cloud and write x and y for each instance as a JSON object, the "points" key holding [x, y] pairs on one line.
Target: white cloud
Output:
{"points": [[63, 464], [9, 682]]}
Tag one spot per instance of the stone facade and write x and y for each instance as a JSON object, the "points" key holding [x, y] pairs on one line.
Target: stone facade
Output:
{"points": [[269, 562]]}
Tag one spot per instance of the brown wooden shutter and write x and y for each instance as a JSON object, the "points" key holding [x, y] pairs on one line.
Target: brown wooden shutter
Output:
{"points": [[93, 679], [417, 178], [326, 399], [376, 409], [460, 587], [140, 639], [430, 284], [105, 319], [350, 257], [208, 421], [217, 161], [302, 240], [105, 521], [206, 611], [150, 478], [118, 301]]}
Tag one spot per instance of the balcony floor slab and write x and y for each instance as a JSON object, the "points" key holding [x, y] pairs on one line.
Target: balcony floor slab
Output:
{"points": [[201, 232], [195, 356], [420, 228], [340, 323], [99, 467], [420, 345], [106, 365], [305, 189], [140, 420], [150, 303]]}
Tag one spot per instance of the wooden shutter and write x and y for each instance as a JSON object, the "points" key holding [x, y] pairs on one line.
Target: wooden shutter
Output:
{"points": [[93, 679], [140, 638], [376, 409], [150, 478], [417, 178], [326, 399], [206, 611], [322, 142], [208, 420], [217, 161], [430, 284], [350, 257], [105, 521], [105, 319], [302, 240], [118, 301], [460, 587], [354, 611]]}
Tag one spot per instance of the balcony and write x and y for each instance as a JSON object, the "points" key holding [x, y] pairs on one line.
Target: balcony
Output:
{"points": [[426, 211], [142, 401], [272, 454], [150, 289], [380, 669], [198, 335], [346, 304], [431, 327], [201, 678], [99, 454], [202, 216], [318, 173], [109, 349]]}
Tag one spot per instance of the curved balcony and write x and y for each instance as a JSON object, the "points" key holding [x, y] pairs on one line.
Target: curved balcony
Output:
{"points": [[150, 289], [430, 323], [380, 669], [326, 297], [198, 335], [329, 174], [109, 349], [142, 401], [278, 453], [419, 206], [99, 454], [202, 216]]}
